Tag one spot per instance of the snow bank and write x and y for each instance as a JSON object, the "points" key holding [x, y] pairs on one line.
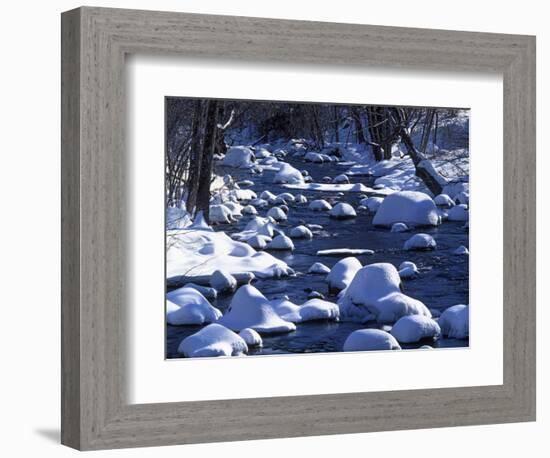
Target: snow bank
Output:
{"points": [[412, 328], [342, 210], [223, 282], [320, 205], [370, 339], [288, 174], [213, 340], [251, 337], [318, 268], [420, 242], [458, 213], [280, 242], [399, 227], [461, 250], [187, 306], [455, 322], [342, 273], [301, 232], [408, 207], [375, 295], [256, 226], [250, 309], [239, 156]]}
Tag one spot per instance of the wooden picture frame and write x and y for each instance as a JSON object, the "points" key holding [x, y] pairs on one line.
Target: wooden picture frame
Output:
{"points": [[95, 413]]}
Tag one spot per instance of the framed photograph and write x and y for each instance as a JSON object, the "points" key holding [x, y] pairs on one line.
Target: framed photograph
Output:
{"points": [[315, 228]]}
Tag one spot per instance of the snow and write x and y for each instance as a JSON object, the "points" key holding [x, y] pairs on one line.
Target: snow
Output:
{"points": [[408, 269], [344, 251], [342, 178], [235, 208], [455, 322], [256, 226], [286, 198], [249, 210], [369, 340], [313, 309], [409, 207], [280, 242], [420, 242], [454, 189], [221, 214], [288, 174], [399, 227], [342, 210], [239, 157], [250, 309], [331, 187], [301, 232], [187, 306], [413, 328], [267, 195], [251, 337], [372, 203], [200, 223], [463, 197], [213, 340], [176, 218], [320, 205], [223, 282], [315, 295], [277, 214], [318, 268], [209, 293], [342, 273], [374, 294], [458, 213], [461, 250], [443, 200], [261, 203], [314, 157], [245, 183], [242, 194], [262, 153], [300, 199], [258, 242]]}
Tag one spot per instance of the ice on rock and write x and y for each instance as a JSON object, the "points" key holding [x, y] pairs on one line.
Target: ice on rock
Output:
{"points": [[249, 210], [318, 268], [213, 340], [342, 210], [301, 232], [413, 328], [461, 250], [223, 282], [374, 294], [239, 156], [288, 174], [407, 269], [399, 227], [409, 207], [277, 214], [339, 179], [280, 242], [370, 340], [372, 203], [250, 309], [455, 322], [420, 242], [443, 200], [458, 213], [221, 214], [251, 337], [342, 273], [320, 205], [187, 306]]}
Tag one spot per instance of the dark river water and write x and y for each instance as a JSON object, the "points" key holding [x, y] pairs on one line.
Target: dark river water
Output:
{"points": [[442, 282]]}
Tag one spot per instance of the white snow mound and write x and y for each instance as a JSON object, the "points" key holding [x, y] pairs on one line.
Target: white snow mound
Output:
{"points": [[455, 322], [318, 268], [280, 242], [458, 213], [288, 175], [239, 157], [301, 232], [409, 207], [370, 340], [223, 281], [187, 306], [213, 340], [342, 273], [420, 242], [251, 337], [320, 205], [342, 210], [412, 328]]}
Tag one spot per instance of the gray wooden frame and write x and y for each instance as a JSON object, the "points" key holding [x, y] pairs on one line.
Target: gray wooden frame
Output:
{"points": [[95, 413]]}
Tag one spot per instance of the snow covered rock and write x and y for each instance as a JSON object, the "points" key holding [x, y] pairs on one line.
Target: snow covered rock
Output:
{"points": [[399, 227], [223, 282], [249, 210], [342, 273], [258, 242], [314, 157], [326, 179], [342, 210], [315, 295], [221, 214], [262, 153], [338, 252], [209, 293], [455, 322], [251, 337], [339, 179], [374, 294], [461, 250], [235, 208], [260, 203], [213, 340], [313, 309], [420, 242], [300, 199], [286, 197], [408, 269], [320, 205], [280, 242], [187, 306], [242, 194], [239, 156], [245, 183], [443, 200], [250, 309], [369, 340], [277, 214], [463, 198], [372, 203], [268, 195], [318, 268], [288, 174], [458, 213], [301, 232], [409, 207], [412, 328]]}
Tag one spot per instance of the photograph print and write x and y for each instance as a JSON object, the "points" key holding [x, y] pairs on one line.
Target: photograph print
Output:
{"points": [[297, 228]]}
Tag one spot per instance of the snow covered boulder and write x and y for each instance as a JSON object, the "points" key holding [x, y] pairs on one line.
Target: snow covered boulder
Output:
{"points": [[455, 322], [280, 242], [313, 309], [463, 198], [339, 179], [342, 210], [300, 199], [239, 156], [251, 337], [249, 210], [458, 213], [443, 200], [187, 306], [258, 242], [260, 203], [213, 340], [314, 157], [268, 195], [250, 309], [413, 328], [320, 205], [420, 242], [399, 227], [235, 208], [288, 174], [277, 214], [286, 197], [372, 203], [318, 268], [301, 232], [409, 207], [375, 295], [370, 340], [223, 282], [461, 250], [262, 153], [342, 273], [221, 214], [408, 269], [209, 293]]}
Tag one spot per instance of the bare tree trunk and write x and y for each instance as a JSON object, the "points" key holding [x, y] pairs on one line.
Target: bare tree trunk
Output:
{"points": [[195, 160], [358, 125], [428, 122], [336, 125]]}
